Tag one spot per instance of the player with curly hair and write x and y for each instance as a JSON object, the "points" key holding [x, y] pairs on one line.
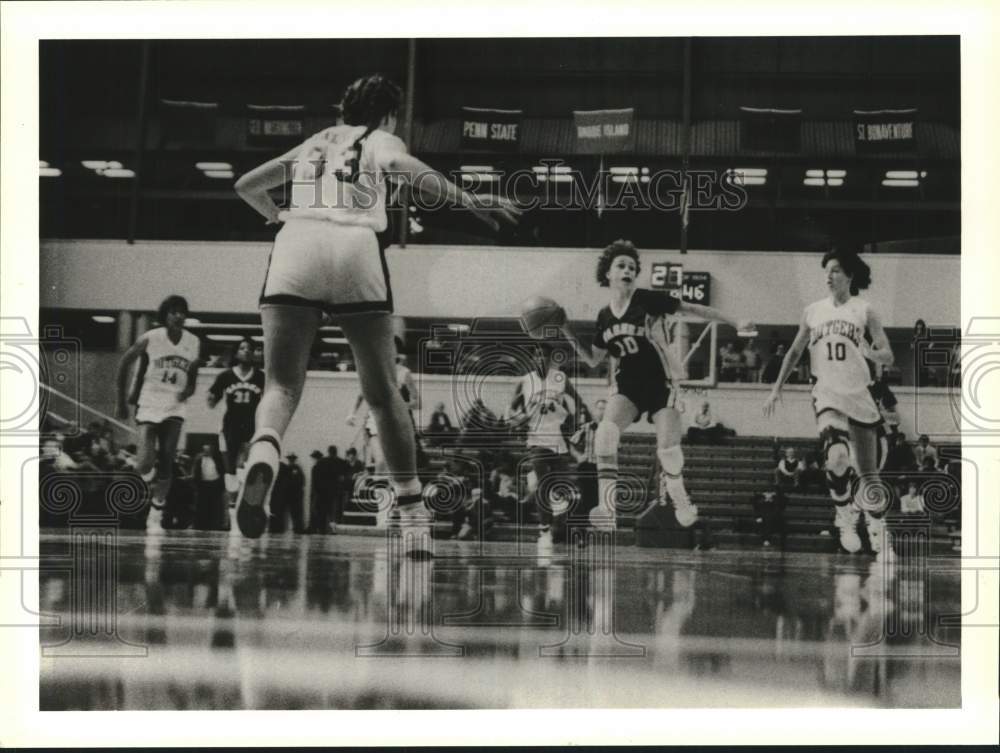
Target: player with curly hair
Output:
{"points": [[630, 329]]}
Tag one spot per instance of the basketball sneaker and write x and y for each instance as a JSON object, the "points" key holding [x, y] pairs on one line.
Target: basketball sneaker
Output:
{"points": [[413, 522], [154, 519], [846, 520], [252, 507], [685, 510], [877, 538]]}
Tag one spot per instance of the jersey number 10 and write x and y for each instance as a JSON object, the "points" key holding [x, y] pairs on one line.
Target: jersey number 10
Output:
{"points": [[836, 351]]}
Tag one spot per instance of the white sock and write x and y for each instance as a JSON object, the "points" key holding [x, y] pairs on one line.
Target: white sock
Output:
{"points": [[407, 488]]}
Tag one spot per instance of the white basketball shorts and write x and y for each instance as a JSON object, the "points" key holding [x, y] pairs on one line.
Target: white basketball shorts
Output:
{"points": [[859, 407], [336, 268]]}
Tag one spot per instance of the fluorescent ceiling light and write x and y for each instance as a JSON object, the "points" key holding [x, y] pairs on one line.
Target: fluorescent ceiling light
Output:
{"points": [[814, 182], [102, 319], [218, 173], [901, 174], [49, 172], [118, 173], [899, 183], [213, 166]]}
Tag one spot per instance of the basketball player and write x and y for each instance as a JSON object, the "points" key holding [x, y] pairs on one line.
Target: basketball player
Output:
{"points": [[847, 417], [630, 330], [327, 258], [170, 356], [544, 399], [242, 385]]}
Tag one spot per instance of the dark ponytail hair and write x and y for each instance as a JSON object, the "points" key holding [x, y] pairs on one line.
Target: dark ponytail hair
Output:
{"points": [[853, 266], [369, 100]]}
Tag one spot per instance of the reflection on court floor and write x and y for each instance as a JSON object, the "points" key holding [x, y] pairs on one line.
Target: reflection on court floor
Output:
{"points": [[195, 620]]}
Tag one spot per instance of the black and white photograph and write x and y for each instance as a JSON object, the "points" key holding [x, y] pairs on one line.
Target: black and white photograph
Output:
{"points": [[497, 371]]}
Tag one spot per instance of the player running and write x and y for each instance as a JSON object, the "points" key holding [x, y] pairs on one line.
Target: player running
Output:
{"points": [[630, 330], [847, 417], [543, 400], [167, 377], [242, 386], [327, 258]]}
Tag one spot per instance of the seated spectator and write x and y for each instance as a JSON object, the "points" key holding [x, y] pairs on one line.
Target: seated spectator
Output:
{"points": [[788, 473], [886, 401], [769, 516], [730, 362], [812, 473], [899, 457], [912, 503], [501, 489], [925, 449], [439, 425], [706, 429], [751, 361], [458, 484], [928, 466], [769, 374]]}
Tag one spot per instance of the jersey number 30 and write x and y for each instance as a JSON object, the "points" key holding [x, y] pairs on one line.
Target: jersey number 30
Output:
{"points": [[627, 345]]}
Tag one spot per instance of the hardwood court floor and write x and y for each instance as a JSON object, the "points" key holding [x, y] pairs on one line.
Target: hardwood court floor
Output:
{"points": [[199, 620]]}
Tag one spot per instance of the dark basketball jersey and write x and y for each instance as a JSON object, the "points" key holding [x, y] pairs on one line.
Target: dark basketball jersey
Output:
{"points": [[625, 337], [242, 397]]}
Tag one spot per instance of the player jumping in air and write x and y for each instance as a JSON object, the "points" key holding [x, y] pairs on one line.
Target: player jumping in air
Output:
{"points": [[327, 258], [835, 330], [170, 356], [641, 383]]}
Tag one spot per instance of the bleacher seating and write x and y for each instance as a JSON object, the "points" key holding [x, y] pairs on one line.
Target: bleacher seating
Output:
{"points": [[722, 480]]}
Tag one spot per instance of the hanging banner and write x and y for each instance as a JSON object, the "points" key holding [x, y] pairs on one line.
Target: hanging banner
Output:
{"points": [[268, 125], [766, 129], [491, 130], [605, 131], [885, 130]]}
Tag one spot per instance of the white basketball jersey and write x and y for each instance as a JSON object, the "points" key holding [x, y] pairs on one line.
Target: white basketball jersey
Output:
{"points": [[837, 344], [546, 401], [339, 176], [167, 371]]}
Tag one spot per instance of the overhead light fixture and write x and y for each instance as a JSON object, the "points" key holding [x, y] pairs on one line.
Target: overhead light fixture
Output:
{"points": [[49, 172], [117, 172], [747, 176], [225, 338], [103, 319], [219, 174], [94, 164], [820, 178], [335, 340], [42, 163], [197, 324], [900, 183], [901, 174], [213, 166]]}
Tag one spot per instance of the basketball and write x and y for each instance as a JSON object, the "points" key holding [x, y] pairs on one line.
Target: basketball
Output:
{"points": [[540, 313]]}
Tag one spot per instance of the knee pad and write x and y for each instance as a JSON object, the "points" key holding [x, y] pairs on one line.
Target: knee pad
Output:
{"points": [[606, 440], [841, 486], [836, 450], [671, 459]]}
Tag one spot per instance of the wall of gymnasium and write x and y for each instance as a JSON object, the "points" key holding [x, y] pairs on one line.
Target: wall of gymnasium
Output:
{"points": [[482, 281]]}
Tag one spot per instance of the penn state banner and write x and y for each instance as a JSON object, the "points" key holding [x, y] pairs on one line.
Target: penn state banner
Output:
{"points": [[605, 131], [885, 130], [491, 130]]}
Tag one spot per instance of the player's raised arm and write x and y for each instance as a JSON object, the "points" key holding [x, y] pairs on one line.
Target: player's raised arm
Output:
{"points": [[434, 185], [253, 187], [121, 377], [592, 356], [712, 314], [880, 351], [791, 359]]}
